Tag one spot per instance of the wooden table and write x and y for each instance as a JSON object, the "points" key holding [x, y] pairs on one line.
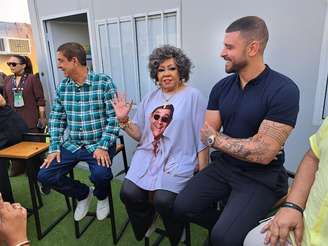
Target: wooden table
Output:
{"points": [[24, 150], [29, 151]]}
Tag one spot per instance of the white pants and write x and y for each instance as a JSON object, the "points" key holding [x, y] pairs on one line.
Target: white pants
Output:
{"points": [[256, 238]]}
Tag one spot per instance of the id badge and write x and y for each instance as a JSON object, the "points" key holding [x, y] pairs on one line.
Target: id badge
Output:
{"points": [[18, 99]]}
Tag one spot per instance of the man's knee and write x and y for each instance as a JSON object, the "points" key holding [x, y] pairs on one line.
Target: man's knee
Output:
{"points": [[47, 178], [182, 207], [101, 175]]}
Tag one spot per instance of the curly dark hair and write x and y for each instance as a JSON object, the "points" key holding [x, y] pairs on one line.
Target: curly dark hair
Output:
{"points": [[159, 55]]}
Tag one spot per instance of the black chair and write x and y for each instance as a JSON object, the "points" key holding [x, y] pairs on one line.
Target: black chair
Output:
{"points": [[116, 235]]}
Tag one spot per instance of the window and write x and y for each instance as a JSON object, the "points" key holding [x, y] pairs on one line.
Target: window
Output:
{"points": [[124, 45], [2, 45], [19, 46]]}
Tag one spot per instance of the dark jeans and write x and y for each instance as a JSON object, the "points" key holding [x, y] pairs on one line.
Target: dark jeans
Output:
{"points": [[247, 202], [5, 187], [55, 176], [141, 210]]}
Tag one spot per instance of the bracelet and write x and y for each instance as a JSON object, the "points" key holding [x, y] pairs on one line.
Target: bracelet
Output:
{"points": [[125, 125], [23, 243], [124, 121], [292, 205]]}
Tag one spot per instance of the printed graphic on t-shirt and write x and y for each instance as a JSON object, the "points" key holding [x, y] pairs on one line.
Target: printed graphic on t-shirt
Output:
{"points": [[160, 118]]}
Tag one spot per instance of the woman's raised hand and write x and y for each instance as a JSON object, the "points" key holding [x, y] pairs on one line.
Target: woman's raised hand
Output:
{"points": [[121, 107]]}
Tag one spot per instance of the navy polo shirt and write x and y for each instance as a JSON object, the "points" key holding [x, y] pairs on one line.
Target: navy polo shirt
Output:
{"points": [[271, 96]]}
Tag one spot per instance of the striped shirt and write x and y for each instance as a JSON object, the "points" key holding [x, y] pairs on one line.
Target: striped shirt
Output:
{"points": [[86, 112]]}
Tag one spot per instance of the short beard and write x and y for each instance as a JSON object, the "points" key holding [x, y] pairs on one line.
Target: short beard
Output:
{"points": [[235, 68]]}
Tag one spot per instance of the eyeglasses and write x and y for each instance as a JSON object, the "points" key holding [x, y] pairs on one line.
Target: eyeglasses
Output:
{"points": [[13, 64], [163, 119]]}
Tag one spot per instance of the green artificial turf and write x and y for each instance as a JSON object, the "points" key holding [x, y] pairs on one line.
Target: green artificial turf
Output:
{"points": [[99, 233]]}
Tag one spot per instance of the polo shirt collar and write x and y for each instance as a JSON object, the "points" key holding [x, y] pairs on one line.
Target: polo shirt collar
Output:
{"points": [[257, 79], [86, 82]]}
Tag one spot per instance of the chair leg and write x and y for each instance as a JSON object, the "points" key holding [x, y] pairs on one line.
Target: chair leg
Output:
{"points": [[79, 231], [112, 213], [147, 241], [125, 160], [38, 194], [188, 235], [116, 236]]}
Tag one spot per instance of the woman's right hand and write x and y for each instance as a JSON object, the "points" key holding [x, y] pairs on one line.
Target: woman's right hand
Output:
{"points": [[121, 107]]}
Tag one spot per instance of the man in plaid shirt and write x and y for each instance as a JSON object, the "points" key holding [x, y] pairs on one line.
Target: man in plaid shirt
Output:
{"points": [[83, 108]]}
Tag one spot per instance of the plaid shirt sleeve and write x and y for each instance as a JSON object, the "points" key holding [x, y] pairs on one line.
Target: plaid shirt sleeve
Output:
{"points": [[57, 123], [112, 128]]}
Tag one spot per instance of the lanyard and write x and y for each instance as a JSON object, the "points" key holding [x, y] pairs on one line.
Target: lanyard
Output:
{"points": [[21, 83]]}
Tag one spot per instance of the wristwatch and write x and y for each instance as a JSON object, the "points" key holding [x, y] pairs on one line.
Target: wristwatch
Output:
{"points": [[211, 140]]}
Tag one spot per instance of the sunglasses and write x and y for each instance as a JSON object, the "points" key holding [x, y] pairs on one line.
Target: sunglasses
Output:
{"points": [[163, 119], [13, 64]]}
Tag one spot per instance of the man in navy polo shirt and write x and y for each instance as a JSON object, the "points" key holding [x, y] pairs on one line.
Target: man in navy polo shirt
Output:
{"points": [[257, 108]]}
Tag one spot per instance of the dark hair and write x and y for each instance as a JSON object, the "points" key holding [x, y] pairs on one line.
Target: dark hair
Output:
{"points": [[71, 50], [25, 60], [166, 106], [159, 55], [251, 28]]}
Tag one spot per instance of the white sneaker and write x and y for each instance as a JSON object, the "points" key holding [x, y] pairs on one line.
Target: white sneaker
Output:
{"points": [[82, 207], [102, 209]]}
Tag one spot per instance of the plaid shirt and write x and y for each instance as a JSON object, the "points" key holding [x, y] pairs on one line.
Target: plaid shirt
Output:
{"points": [[87, 114]]}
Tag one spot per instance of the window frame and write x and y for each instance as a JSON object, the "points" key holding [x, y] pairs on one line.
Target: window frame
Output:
{"points": [[322, 84], [132, 19]]}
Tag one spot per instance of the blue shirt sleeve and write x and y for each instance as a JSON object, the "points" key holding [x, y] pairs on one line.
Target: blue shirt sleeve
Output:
{"points": [[284, 105], [213, 101]]}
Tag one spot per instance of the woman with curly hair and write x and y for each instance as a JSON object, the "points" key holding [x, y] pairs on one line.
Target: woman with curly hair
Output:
{"points": [[166, 126]]}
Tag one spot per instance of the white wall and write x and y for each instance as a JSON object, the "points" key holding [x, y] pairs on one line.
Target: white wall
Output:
{"points": [[295, 27]]}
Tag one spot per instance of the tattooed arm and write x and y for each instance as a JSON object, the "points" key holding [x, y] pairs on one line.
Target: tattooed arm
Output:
{"points": [[262, 148]]}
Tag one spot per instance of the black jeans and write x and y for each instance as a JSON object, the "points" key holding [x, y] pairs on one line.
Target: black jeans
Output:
{"points": [[141, 210], [246, 202]]}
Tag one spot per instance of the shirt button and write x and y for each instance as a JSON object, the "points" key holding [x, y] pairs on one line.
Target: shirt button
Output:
{"points": [[80, 128]]}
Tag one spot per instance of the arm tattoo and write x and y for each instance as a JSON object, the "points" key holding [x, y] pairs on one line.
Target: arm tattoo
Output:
{"points": [[261, 148], [277, 131]]}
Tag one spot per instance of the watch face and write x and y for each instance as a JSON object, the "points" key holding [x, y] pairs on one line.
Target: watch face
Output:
{"points": [[210, 140]]}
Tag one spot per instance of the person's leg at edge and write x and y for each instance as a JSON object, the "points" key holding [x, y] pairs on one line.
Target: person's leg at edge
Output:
{"points": [[256, 238], [140, 211]]}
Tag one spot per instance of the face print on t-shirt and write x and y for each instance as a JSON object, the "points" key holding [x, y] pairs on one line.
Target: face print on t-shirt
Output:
{"points": [[160, 119]]}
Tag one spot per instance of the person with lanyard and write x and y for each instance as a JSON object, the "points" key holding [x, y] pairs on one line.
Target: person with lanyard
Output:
{"points": [[83, 108], [166, 126], [24, 93], [257, 108]]}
